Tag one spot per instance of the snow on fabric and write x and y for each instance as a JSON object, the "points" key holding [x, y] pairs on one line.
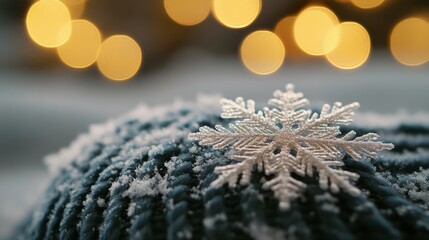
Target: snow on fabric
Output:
{"points": [[139, 177]]}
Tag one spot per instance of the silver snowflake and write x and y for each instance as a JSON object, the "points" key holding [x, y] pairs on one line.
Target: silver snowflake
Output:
{"points": [[286, 139]]}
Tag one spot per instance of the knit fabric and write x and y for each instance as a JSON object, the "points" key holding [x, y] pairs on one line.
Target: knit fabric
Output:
{"points": [[139, 177]]}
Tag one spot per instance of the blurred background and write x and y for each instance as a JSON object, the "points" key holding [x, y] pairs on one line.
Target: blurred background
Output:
{"points": [[65, 64]]}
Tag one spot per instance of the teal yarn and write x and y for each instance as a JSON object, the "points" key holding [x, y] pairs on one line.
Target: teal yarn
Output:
{"points": [[139, 177]]}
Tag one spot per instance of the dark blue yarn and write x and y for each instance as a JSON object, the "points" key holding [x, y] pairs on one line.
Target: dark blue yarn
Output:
{"points": [[90, 197]]}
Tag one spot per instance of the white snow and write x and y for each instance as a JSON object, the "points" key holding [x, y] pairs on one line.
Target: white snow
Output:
{"points": [[105, 132], [101, 202], [193, 149], [211, 221], [131, 209], [330, 208], [156, 149], [185, 233], [148, 186], [261, 231]]}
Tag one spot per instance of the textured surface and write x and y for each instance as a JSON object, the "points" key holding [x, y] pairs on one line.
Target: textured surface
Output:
{"points": [[139, 177], [288, 140]]}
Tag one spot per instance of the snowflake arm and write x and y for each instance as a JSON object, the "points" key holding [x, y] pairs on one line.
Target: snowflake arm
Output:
{"points": [[286, 139], [288, 101], [330, 177], [252, 122], [231, 173]]}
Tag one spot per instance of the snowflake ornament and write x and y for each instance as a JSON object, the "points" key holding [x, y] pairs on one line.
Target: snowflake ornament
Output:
{"points": [[286, 139]]}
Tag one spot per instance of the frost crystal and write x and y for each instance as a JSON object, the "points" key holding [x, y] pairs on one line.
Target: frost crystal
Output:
{"points": [[286, 139]]}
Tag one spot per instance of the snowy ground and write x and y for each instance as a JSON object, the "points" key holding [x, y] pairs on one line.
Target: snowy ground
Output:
{"points": [[43, 111]]}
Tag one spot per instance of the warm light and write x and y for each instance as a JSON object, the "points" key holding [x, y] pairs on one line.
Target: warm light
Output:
{"points": [[81, 50], [236, 13], [262, 52], [367, 3], [119, 58], [409, 41], [48, 23], [353, 47], [284, 30], [75, 7], [188, 12], [315, 30]]}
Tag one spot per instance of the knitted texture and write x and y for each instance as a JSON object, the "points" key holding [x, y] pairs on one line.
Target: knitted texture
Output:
{"points": [[139, 177]]}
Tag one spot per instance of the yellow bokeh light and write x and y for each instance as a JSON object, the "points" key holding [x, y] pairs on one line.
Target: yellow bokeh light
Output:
{"points": [[236, 13], [76, 7], [48, 23], [119, 58], [353, 47], [409, 41], [315, 30], [367, 3], [262, 52], [188, 12], [81, 50], [284, 30]]}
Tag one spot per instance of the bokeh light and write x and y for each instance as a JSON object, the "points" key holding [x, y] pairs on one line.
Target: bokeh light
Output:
{"points": [[409, 41], [262, 52], [119, 58], [81, 50], [284, 30], [48, 23], [188, 12], [76, 7], [236, 13], [315, 30], [353, 48], [367, 3]]}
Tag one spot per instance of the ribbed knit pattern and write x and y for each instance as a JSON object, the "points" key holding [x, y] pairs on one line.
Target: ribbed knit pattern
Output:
{"points": [[139, 177]]}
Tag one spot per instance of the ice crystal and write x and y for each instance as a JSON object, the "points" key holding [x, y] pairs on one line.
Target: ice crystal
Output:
{"points": [[287, 139]]}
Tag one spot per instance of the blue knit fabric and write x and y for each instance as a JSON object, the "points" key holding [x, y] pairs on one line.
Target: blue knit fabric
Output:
{"points": [[139, 177]]}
